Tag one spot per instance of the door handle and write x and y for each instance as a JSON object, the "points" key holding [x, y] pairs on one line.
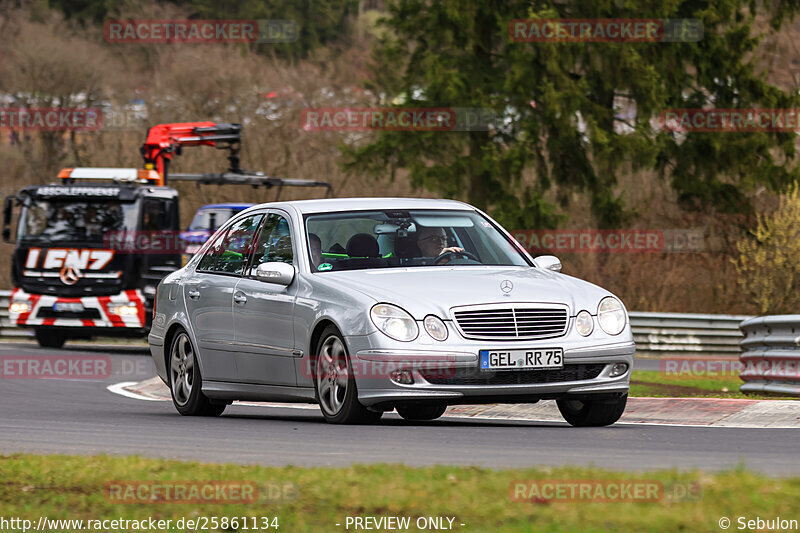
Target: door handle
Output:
{"points": [[193, 294], [239, 298]]}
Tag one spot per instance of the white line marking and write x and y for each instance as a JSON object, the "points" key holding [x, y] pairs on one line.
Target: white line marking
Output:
{"points": [[119, 388]]}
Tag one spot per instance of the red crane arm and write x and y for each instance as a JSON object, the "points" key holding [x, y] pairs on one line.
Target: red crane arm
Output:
{"points": [[164, 141]]}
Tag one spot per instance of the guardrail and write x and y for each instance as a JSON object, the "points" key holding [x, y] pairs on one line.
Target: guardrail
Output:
{"points": [[656, 334], [771, 354], [687, 335]]}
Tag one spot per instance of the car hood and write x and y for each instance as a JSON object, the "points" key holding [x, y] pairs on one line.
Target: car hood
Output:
{"points": [[434, 290]]}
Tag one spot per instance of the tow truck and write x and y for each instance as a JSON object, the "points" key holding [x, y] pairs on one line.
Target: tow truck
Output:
{"points": [[90, 250]]}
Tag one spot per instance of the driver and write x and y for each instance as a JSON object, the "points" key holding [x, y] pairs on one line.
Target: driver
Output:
{"points": [[432, 242]]}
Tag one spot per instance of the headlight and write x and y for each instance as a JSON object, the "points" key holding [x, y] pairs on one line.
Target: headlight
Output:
{"points": [[394, 322], [19, 307], [611, 316], [584, 323], [435, 327], [123, 309]]}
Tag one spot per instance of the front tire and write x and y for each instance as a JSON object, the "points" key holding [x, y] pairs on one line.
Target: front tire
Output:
{"points": [[592, 413], [335, 384], [48, 338], [417, 413], [185, 381]]}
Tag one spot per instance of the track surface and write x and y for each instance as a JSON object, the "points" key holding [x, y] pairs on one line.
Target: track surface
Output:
{"points": [[82, 417]]}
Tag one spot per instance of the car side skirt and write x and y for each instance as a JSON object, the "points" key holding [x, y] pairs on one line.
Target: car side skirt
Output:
{"points": [[224, 390]]}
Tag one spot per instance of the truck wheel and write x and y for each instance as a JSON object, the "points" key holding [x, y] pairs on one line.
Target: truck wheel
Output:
{"points": [[592, 413], [185, 382], [335, 384], [422, 412], [50, 338]]}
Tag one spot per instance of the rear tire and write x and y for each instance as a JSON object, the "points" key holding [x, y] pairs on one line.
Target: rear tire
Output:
{"points": [[50, 338], [592, 413], [335, 384], [185, 381], [419, 413]]}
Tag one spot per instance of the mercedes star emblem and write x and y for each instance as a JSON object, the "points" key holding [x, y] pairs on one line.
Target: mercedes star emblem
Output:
{"points": [[70, 275], [506, 286]]}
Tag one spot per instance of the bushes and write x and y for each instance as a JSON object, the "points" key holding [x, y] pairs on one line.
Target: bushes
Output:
{"points": [[768, 261]]}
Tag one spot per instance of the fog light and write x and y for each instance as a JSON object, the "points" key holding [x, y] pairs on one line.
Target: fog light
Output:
{"points": [[19, 307], [123, 309], [402, 377], [618, 369]]}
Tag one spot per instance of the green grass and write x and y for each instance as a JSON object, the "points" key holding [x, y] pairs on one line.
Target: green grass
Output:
{"points": [[74, 487], [655, 383]]}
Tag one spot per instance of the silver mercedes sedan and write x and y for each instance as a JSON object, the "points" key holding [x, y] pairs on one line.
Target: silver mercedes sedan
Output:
{"points": [[370, 305]]}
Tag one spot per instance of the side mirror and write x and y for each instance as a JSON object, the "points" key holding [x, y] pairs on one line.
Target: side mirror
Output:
{"points": [[548, 262], [275, 272]]}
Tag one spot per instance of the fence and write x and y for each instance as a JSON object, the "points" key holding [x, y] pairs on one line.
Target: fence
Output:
{"points": [[771, 354]]}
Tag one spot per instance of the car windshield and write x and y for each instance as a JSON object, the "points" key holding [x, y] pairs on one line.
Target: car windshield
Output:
{"points": [[55, 220], [391, 239]]}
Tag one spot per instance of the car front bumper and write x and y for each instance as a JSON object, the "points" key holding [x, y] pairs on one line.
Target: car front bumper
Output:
{"points": [[452, 375]]}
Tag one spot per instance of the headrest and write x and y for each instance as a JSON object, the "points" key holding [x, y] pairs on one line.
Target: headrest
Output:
{"points": [[363, 245]]}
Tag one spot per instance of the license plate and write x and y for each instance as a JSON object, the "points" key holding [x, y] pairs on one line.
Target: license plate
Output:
{"points": [[68, 307], [522, 359]]}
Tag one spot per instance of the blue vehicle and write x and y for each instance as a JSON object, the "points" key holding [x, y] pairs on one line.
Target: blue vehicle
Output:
{"points": [[206, 221]]}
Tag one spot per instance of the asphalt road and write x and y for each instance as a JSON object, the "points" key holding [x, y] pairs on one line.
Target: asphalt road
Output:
{"points": [[82, 417]]}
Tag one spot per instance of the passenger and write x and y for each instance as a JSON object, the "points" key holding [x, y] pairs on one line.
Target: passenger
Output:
{"points": [[315, 245]]}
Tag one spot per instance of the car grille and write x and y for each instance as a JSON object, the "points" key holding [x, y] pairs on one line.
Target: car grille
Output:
{"points": [[511, 323], [470, 376]]}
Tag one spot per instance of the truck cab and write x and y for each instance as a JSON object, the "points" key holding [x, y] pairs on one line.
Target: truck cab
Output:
{"points": [[88, 255]]}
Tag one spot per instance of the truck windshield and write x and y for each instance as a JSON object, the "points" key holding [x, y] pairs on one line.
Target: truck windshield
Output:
{"points": [[56, 220]]}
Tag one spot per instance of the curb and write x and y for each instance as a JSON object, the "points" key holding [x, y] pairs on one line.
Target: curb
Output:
{"points": [[692, 412]]}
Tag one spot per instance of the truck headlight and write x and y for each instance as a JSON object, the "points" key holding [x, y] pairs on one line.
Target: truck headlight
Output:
{"points": [[584, 323], [435, 327], [394, 322], [611, 316], [123, 309], [19, 307]]}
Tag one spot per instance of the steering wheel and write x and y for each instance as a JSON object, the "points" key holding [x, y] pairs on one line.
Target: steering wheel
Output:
{"points": [[465, 254]]}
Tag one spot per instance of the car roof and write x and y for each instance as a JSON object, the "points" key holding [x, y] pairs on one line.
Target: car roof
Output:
{"points": [[327, 205]]}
